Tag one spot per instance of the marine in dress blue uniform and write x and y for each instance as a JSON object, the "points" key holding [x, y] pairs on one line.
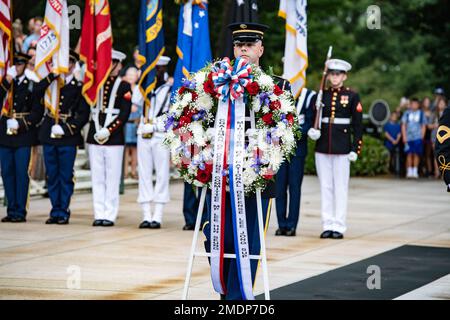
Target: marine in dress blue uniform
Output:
{"points": [[290, 174], [60, 141], [245, 35], [18, 133]]}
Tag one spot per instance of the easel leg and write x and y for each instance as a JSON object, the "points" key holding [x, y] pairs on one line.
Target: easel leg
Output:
{"points": [[194, 243], [263, 245]]}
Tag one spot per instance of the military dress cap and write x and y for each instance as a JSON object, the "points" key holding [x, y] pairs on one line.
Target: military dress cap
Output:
{"points": [[338, 65], [119, 56], [247, 31], [73, 55], [21, 58], [163, 61]]}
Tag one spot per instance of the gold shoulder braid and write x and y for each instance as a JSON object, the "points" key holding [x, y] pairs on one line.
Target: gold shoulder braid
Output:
{"points": [[443, 165], [444, 137]]}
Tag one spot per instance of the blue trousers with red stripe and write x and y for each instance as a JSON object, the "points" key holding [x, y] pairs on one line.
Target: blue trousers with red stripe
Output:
{"points": [[59, 162], [230, 272], [16, 181]]}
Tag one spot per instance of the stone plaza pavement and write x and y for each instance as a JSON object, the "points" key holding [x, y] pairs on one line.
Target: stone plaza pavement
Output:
{"points": [[78, 261]]}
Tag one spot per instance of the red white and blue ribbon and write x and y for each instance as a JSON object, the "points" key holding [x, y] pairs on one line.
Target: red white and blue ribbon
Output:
{"points": [[229, 83]]}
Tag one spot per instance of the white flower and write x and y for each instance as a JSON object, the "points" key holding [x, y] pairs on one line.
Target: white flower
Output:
{"points": [[275, 157], [187, 98], [199, 78], [199, 135], [286, 105], [249, 176], [256, 104], [205, 102], [266, 81]]}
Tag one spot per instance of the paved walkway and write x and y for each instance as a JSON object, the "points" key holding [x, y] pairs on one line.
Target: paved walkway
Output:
{"points": [[39, 261]]}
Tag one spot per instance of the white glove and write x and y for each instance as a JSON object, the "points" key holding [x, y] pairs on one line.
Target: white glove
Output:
{"points": [[160, 126], [148, 128], [12, 72], [102, 134], [12, 124], [314, 134], [352, 156], [57, 130]]}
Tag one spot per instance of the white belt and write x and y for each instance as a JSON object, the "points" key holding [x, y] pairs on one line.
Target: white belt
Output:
{"points": [[114, 112], [337, 120]]}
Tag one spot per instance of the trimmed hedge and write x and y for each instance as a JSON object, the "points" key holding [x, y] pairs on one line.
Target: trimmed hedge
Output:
{"points": [[373, 160]]}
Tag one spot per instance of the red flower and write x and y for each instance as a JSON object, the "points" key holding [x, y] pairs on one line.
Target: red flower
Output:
{"points": [[181, 90], [208, 86], [253, 88], [269, 174], [184, 120], [210, 76], [277, 90], [290, 118], [204, 176], [268, 118], [194, 95], [275, 105]]}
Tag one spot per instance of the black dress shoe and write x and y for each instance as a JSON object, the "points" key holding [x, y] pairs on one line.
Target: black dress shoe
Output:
{"points": [[51, 220], [145, 225], [326, 234], [7, 219], [188, 227], [97, 223], [107, 223], [290, 233], [155, 225], [18, 219], [280, 232], [337, 235], [64, 220]]}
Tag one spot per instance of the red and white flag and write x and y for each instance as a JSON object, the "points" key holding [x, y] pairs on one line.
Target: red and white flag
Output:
{"points": [[52, 54], [96, 47], [5, 45]]}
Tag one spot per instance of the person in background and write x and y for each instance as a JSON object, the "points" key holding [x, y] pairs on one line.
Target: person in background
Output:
{"points": [[32, 39], [135, 64], [427, 159], [413, 132], [132, 77], [439, 93], [30, 26], [290, 175], [18, 35], [393, 135]]}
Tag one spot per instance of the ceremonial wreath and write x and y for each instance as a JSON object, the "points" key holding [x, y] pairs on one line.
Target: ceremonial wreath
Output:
{"points": [[212, 95]]}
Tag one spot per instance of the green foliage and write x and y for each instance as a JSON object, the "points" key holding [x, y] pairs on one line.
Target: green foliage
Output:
{"points": [[373, 160]]}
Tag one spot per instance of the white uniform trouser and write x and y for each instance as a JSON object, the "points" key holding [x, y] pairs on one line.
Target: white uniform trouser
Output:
{"points": [[334, 174], [152, 154], [106, 170]]}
